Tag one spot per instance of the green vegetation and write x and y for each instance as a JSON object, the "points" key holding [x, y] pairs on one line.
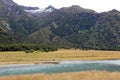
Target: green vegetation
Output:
{"points": [[84, 30], [27, 47], [88, 75], [69, 27]]}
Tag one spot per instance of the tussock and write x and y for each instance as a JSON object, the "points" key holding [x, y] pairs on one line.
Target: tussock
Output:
{"points": [[89, 75]]}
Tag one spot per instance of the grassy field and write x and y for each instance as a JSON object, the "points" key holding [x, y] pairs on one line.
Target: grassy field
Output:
{"points": [[89, 75], [22, 57]]}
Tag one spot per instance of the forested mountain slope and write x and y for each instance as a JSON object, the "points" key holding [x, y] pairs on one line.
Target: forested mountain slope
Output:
{"points": [[65, 27]]}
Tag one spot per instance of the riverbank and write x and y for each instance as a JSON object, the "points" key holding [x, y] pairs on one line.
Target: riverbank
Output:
{"points": [[88, 75], [18, 59], [36, 57], [113, 62]]}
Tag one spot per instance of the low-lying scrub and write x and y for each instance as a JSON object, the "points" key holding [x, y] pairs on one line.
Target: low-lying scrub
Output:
{"points": [[27, 47]]}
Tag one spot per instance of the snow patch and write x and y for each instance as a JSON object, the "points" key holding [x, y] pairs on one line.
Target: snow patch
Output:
{"points": [[40, 10]]}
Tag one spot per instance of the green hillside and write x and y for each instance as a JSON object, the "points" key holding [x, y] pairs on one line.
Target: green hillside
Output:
{"points": [[68, 27], [82, 29]]}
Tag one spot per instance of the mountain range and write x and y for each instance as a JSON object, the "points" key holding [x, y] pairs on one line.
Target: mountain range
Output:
{"points": [[65, 27]]}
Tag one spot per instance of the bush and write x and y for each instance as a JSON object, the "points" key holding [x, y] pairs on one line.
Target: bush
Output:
{"points": [[26, 51], [29, 51], [28, 48]]}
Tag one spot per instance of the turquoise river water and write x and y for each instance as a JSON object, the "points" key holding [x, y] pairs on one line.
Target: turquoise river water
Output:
{"points": [[63, 66]]}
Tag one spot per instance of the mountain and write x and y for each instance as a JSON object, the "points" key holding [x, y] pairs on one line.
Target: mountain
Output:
{"points": [[49, 9], [79, 27], [62, 23], [65, 27], [15, 21], [7, 2], [36, 12]]}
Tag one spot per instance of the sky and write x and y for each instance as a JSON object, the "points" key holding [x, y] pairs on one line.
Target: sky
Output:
{"points": [[97, 5]]}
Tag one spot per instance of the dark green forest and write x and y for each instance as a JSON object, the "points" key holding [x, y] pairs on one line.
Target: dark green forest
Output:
{"points": [[27, 47], [68, 27]]}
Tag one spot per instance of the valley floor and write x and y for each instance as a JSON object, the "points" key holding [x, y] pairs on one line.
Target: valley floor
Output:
{"points": [[22, 57], [89, 75], [28, 58]]}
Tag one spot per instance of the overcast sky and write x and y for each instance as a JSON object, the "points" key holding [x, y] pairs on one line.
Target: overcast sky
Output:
{"points": [[97, 5]]}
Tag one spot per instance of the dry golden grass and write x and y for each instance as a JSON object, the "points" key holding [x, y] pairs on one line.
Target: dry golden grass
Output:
{"points": [[89, 75], [22, 57]]}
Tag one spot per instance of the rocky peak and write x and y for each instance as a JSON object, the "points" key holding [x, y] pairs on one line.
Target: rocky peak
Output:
{"points": [[76, 9], [49, 9], [114, 11]]}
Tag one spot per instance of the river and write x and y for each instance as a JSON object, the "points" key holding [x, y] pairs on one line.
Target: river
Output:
{"points": [[63, 66]]}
